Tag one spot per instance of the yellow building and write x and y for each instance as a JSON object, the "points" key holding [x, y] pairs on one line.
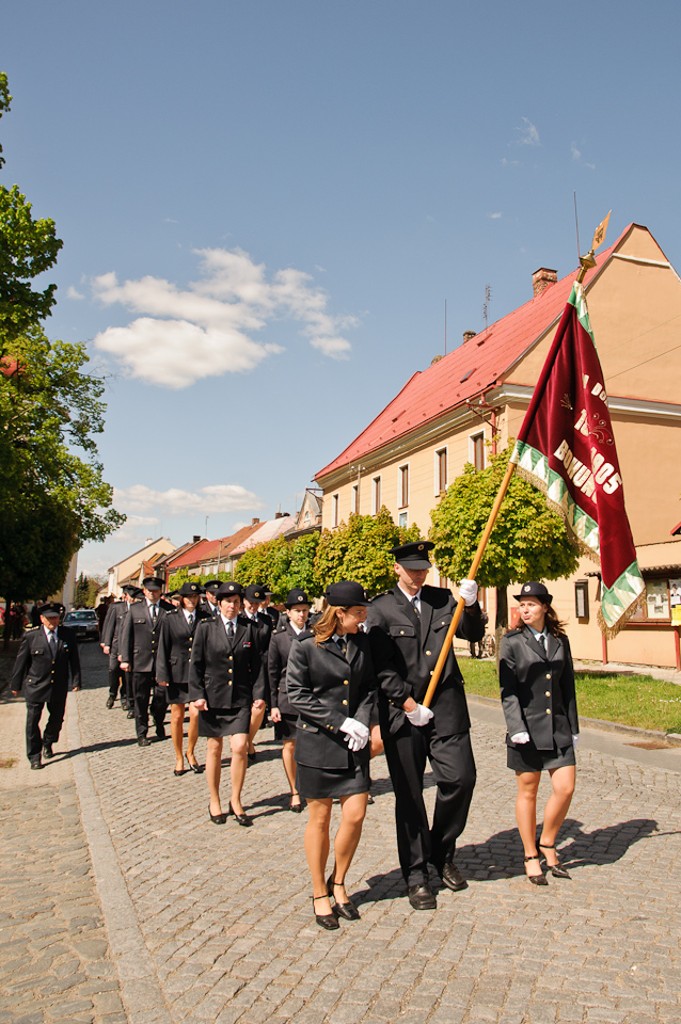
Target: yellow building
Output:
{"points": [[474, 399]]}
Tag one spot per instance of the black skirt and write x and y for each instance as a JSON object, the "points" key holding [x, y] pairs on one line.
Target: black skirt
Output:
{"points": [[327, 783], [526, 758], [286, 729], [218, 722], [178, 693]]}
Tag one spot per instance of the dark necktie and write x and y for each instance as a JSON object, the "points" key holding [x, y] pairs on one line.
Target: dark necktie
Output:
{"points": [[541, 640], [154, 614], [230, 629], [414, 604], [342, 645], [190, 620], [53, 644]]}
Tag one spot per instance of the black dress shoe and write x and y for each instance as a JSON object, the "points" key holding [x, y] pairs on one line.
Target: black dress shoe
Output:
{"points": [[35, 766], [422, 897], [143, 742], [217, 819], [196, 768], [47, 750], [124, 704], [131, 713], [241, 819], [177, 772], [535, 879], [327, 921], [160, 734], [110, 701], [347, 910], [296, 808], [452, 877], [252, 758], [557, 869]]}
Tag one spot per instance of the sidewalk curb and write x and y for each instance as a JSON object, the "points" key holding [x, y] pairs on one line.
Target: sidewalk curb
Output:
{"points": [[671, 739], [139, 984]]}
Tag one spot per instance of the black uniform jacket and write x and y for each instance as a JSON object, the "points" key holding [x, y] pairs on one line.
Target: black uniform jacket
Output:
{"points": [[111, 630], [36, 674], [277, 658], [538, 689], [175, 643], [406, 648], [227, 673], [138, 643], [325, 688]]}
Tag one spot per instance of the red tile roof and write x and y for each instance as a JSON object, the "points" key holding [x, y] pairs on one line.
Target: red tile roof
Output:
{"points": [[466, 372]]}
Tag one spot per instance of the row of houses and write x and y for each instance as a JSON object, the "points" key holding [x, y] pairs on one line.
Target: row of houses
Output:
{"points": [[202, 557]]}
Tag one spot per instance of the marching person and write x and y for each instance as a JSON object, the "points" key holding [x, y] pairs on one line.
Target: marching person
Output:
{"points": [[254, 595], [331, 685], [283, 713], [47, 657], [226, 682], [407, 627], [172, 672], [209, 601], [137, 653], [537, 682], [111, 631]]}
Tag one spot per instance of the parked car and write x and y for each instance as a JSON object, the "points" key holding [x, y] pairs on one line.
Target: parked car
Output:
{"points": [[84, 623]]}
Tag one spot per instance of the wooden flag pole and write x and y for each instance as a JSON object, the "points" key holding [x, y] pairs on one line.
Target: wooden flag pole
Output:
{"points": [[456, 618]]}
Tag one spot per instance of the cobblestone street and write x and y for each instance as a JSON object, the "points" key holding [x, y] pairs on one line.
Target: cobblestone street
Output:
{"points": [[121, 902]]}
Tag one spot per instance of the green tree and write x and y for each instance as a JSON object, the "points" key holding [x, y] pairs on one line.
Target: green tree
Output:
{"points": [[529, 541], [28, 248], [360, 551]]}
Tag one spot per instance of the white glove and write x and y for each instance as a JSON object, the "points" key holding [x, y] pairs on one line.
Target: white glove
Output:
{"points": [[520, 737], [357, 734], [468, 590], [421, 715], [575, 740]]}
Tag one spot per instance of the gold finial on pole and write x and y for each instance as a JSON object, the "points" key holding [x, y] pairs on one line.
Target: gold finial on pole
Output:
{"points": [[589, 261]]}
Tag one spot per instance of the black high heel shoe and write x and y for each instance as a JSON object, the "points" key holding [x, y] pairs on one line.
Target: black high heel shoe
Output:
{"points": [[557, 869], [296, 808], [196, 768], [347, 910], [217, 819], [535, 879], [326, 921], [241, 819]]}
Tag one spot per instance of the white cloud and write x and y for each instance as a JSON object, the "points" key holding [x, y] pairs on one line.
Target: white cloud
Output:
{"points": [[73, 293], [206, 330], [528, 133], [494, 216], [214, 498], [576, 154]]}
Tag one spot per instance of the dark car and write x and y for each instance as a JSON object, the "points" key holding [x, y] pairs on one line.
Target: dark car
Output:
{"points": [[84, 623]]}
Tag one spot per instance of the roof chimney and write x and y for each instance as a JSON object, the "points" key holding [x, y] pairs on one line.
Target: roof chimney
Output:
{"points": [[195, 539], [543, 279], [255, 521], [467, 335]]}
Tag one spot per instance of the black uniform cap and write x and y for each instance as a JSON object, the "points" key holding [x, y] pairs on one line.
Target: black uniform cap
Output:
{"points": [[212, 586], [346, 594], [51, 608], [254, 592], [189, 590], [152, 583], [296, 597], [414, 555], [534, 589], [229, 589]]}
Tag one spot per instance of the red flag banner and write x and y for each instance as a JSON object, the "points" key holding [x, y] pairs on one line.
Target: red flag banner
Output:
{"points": [[566, 448]]}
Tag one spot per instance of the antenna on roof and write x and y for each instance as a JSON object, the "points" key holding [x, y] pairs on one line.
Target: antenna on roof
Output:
{"points": [[445, 327], [485, 305], [574, 199]]}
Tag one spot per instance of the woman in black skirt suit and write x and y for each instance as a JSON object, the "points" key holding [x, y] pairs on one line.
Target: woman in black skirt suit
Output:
{"points": [[331, 685], [538, 696], [282, 713], [175, 640], [226, 681]]}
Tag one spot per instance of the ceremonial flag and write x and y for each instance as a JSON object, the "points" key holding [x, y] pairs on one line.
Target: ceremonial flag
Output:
{"points": [[566, 448]]}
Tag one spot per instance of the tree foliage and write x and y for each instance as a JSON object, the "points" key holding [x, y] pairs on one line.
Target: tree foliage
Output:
{"points": [[529, 541], [28, 248], [282, 564], [360, 551]]}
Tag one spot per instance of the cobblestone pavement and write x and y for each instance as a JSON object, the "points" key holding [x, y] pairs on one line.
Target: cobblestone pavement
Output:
{"points": [[215, 924]]}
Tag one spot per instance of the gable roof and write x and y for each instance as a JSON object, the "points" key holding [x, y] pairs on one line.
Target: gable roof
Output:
{"points": [[472, 368]]}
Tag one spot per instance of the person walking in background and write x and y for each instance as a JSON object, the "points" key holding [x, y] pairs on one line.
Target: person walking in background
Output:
{"points": [[175, 642], [138, 648], [537, 682], [283, 713], [47, 658], [331, 685]]}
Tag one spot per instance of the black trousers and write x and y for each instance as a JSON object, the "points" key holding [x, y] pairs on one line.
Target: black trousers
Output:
{"points": [[144, 687], [117, 677], [453, 767], [56, 705]]}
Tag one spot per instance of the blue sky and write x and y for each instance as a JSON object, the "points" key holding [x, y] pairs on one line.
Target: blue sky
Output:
{"points": [[265, 205]]}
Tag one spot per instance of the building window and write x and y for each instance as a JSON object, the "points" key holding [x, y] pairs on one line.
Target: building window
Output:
{"points": [[377, 494], [662, 602], [441, 471], [334, 510], [402, 519], [355, 498], [403, 486], [477, 451]]}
